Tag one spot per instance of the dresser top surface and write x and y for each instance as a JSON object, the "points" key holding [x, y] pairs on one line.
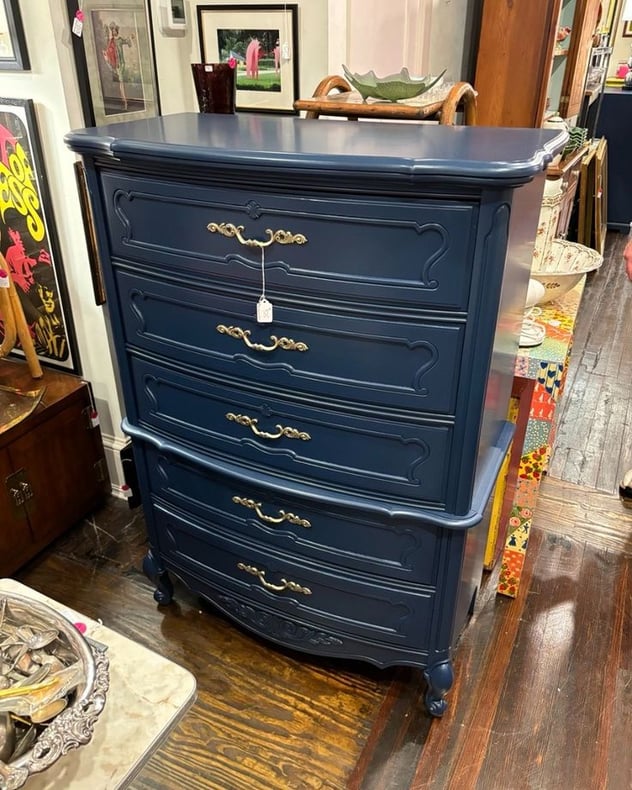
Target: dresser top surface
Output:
{"points": [[405, 149]]}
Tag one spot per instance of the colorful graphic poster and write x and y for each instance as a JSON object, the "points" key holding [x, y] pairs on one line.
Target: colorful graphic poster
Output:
{"points": [[27, 240]]}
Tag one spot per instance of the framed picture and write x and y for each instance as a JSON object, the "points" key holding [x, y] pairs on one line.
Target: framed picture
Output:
{"points": [[28, 240], [627, 30], [263, 41], [114, 56], [13, 54]]}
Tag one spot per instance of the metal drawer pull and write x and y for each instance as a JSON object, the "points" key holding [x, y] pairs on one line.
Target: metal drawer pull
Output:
{"points": [[18, 497], [285, 585], [250, 422], [283, 516], [234, 231], [26, 490], [285, 343]]}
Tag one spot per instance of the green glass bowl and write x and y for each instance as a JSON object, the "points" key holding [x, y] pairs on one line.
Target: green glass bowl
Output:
{"points": [[392, 88]]}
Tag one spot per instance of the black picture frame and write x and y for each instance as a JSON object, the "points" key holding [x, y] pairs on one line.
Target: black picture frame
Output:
{"points": [[109, 92], [224, 29], [13, 53], [28, 239]]}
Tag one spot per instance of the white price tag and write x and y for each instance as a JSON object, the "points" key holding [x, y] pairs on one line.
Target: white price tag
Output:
{"points": [[77, 24], [264, 311]]}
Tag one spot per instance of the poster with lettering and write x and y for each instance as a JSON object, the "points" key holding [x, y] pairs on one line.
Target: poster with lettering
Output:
{"points": [[27, 237]]}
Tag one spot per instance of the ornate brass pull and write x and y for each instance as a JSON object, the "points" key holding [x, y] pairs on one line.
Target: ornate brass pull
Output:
{"points": [[26, 490], [234, 231], [250, 422], [18, 496], [285, 343], [284, 585], [283, 516]]}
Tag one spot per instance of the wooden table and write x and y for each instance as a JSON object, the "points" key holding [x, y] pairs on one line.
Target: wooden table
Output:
{"points": [[334, 96]]}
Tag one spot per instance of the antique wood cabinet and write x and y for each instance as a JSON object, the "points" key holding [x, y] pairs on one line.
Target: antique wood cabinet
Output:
{"points": [[52, 465], [322, 474], [523, 74]]}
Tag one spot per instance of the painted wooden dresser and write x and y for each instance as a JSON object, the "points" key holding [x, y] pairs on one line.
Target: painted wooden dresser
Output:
{"points": [[318, 465]]}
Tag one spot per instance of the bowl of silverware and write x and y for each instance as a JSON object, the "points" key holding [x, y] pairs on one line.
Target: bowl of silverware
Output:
{"points": [[53, 685]]}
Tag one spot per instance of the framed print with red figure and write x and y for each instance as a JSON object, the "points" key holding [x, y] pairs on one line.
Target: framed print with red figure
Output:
{"points": [[28, 240]]}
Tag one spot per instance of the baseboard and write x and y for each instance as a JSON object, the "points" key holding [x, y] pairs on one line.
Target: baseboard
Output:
{"points": [[112, 446]]}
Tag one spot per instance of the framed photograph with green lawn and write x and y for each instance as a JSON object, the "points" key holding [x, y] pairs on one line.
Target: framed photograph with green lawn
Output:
{"points": [[262, 42]]}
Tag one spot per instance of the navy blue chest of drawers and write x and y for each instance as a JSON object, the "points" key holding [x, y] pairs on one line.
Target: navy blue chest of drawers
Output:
{"points": [[322, 475]]}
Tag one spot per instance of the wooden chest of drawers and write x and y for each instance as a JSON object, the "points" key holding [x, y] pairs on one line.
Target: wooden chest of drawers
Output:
{"points": [[52, 464], [322, 478]]}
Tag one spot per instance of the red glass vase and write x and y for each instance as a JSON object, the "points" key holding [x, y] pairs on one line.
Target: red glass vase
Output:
{"points": [[215, 86]]}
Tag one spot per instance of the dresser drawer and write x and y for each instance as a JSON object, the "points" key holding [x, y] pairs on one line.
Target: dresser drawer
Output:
{"points": [[367, 250], [325, 596], [362, 451], [295, 525], [412, 364]]}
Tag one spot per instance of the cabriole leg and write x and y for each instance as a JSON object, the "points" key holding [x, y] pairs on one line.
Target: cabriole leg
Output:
{"points": [[440, 678], [163, 594]]}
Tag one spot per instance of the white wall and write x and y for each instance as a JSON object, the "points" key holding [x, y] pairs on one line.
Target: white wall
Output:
{"points": [[426, 36], [57, 111], [621, 49], [448, 37], [174, 55]]}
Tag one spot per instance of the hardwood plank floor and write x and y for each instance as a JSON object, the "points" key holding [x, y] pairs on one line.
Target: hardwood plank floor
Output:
{"points": [[543, 684], [541, 696], [593, 443]]}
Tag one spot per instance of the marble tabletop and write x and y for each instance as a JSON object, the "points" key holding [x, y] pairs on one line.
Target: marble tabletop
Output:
{"points": [[147, 697]]}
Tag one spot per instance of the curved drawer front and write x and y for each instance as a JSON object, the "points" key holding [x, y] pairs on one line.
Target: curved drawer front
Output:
{"points": [[295, 525], [322, 595], [362, 453], [393, 363], [367, 250]]}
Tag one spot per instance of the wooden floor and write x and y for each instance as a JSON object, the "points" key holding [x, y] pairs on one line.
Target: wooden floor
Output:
{"points": [[543, 691], [593, 446]]}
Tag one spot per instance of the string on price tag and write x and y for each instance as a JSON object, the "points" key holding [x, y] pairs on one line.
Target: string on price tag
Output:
{"points": [[264, 307]]}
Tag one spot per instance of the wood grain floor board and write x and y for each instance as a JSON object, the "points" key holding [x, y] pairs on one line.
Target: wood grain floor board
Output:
{"points": [[585, 690], [594, 417], [590, 516], [263, 718]]}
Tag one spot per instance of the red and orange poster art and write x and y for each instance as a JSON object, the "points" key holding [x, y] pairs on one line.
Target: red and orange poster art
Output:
{"points": [[25, 235]]}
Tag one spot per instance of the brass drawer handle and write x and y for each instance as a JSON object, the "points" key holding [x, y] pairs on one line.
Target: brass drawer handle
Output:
{"points": [[18, 496], [283, 516], [285, 343], [26, 490], [250, 422], [285, 585], [234, 231]]}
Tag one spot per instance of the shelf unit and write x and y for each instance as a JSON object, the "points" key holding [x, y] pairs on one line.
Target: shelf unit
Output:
{"points": [[520, 77]]}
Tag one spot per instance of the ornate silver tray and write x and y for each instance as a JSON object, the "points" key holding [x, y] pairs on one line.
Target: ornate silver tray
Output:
{"points": [[77, 675]]}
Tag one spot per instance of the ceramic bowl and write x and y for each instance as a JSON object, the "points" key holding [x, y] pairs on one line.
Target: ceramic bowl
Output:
{"points": [[73, 727], [563, 268]]}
